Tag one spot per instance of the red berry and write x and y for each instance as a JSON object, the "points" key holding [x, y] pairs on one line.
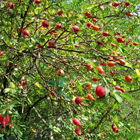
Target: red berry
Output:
{"points": [[122, 90], [123, 36], [1, 53], [76, 122], [78, 100], [122, 61], [45, 23], [119, 110], [86, 138], [100, 91], [135, 43], [51, 43], [39, 46], [26, 32], [117, 33], [100, 69], [37, 1], [127, 3], [78, 131], [112, 73], [117, 87], [76, 46], [94, 20], [105, 33], [120, 40], [58, 26], [88, 24], [89, 67], [104, 134], [11, 5], [99, 43], [87, 14], [115, 4], [111, 63], [128, 78], [113, 45], [52, 93], [21, 30], [75, 28], [10, 125], [63, 60], [114, 128], [60, 13], [95, 79], [102, 63], [129, 14]]}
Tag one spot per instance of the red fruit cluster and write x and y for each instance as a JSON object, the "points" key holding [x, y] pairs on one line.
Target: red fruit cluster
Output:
{"points": [[87, 14], [100, 91], [4, 120]]}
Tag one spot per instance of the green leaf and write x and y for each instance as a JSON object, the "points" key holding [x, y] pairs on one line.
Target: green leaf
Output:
{"points": [[6, 90], [62, 82], [52, 83], [85, 83], [126, 96], [1, 37], [118, 98]]}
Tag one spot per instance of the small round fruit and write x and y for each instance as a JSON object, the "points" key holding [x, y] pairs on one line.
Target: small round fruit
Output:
{"points": [[99, 43], [26, 32], [117, 87], [89, 86], [78, 131], [90, 96], [100, 69], [78, 100], [58, 26], [11, 5], [105, 33], [119, 110], [45, 23], [120, 40], [122, 90], [76, 122], [89, 67], [96, 28], [75, 28], [114, 128], [10, 125], [104, 134], [1, 53], [102, 63], [100, 91], [52, 93], [95, 79], [60, 13], [113, 45], [63, 60], [37, 1], [128, 78], [111, 63], [51, 43], [86, 138], [87, 14], [23, 82], [76, 46], [39, 46], [112, 73], [115, 4], [21, 30], [94, 20], [127, 3], [88, 24], [135, 43], [122, 61], [61, 72]]}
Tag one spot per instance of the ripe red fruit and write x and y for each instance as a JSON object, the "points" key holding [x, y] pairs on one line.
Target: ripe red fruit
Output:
{"points": [[86, 138], [76, 46], [88, 24], [100, 69], [75, 28], [102, 63], [100, 91], [78, 131], [10, 125], [39, 46], [120, 40], [119, 110], [60, 13], [51, 43], [37, 1], [90, 96], [113, 45], [117, 33], [78, 100], [99, 43], [87, 14], [95, 79], [11, 5], [89, 86], [104, 134], [117, 87], [129, 14], [1, 53], [115, 4], [128, 78], [21, 30], [112, 73], [76, 122], [26, 32], [114, 128], [4, 120], [122, 61], [127, 3], [105, 33], [45, 23], [58, 26], [111, 64], [122, 90], [55, 34], [94, 20], [63, 60], [96, 28], [135, 43], [89, 67], [52, 93], [23, 82]]}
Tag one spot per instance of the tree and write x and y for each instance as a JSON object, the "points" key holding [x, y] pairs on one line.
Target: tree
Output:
{"points": [[69, 69]]}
